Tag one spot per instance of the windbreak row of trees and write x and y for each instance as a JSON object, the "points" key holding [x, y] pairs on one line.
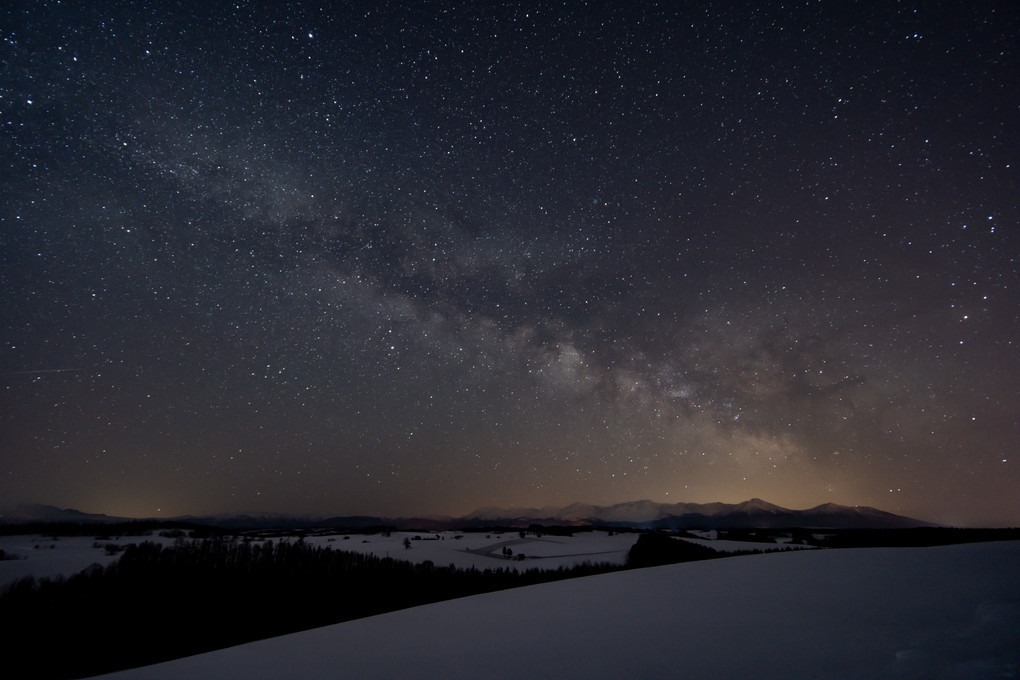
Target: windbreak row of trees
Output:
{"points": [[157, 603]]}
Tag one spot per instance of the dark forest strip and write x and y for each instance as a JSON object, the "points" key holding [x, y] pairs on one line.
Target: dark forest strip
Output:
{"points": [[158, 603]]}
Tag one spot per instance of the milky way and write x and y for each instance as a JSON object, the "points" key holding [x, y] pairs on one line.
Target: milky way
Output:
{"points": [[402, 258]]}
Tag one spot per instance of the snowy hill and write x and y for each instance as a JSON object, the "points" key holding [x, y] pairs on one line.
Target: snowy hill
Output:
{"points": [[946, 612]]}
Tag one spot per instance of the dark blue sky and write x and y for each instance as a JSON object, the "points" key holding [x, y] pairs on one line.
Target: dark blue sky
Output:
{"points": [[419, 257]]}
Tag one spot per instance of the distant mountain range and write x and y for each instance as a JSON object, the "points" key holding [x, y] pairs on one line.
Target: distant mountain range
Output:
{"points": [[28, 513], [645, 514], [751, 514]]}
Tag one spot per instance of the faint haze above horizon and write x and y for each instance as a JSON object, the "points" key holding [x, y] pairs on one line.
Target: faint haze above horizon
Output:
{"points": [[751, 513], [410, 259]]}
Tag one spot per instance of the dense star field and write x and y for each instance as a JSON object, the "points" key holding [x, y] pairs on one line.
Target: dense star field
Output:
{"points": [[419, 257]]}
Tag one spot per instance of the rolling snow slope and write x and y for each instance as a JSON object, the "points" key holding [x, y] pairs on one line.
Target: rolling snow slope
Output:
{"points": [[945, 612]]}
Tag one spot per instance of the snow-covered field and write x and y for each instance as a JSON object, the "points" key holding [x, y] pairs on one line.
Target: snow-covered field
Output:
{"points": [[945, 612], [722, 545], [485, 551], [48, 557], [64, 556]]}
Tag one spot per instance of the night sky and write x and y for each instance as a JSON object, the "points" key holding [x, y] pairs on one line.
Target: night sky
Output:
{"points": [[416, 258]]}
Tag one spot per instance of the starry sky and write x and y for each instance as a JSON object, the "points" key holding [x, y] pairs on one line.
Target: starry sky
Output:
{"points": [[419, 257]]}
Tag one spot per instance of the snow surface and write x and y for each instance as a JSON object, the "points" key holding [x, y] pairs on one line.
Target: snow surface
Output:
{"points": [[49, 557], [484, 551], [947, 612], [722, 545], [66, 556]]}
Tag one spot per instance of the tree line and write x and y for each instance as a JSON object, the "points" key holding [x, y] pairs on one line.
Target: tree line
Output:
{"points": [[162, 602]]}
